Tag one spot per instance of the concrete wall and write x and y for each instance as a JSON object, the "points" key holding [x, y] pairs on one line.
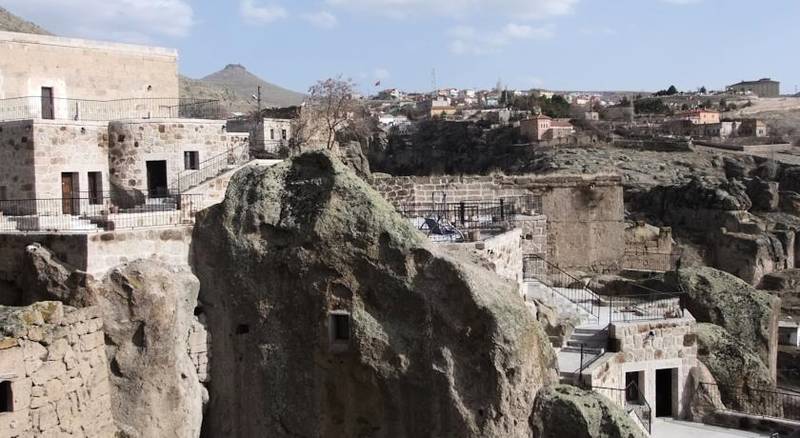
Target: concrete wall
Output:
{"points": [[585, 213], [96, 253], [56, 364], [82, 69], [134, 142]]}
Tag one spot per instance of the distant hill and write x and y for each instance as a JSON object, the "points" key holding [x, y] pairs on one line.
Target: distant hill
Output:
{"points": [[234, 86], [11, 23]]}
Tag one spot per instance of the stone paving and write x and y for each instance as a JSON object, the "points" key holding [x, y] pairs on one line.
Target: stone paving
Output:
{"points": [[668, 428]]}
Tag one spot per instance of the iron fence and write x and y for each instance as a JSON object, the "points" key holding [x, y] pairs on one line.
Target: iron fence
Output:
{"points": [[469, 215], [96, 212], [631, 399], [646, 307], [211, 168], [38, 107], [649, 261], [536, 268], [754, 401]]}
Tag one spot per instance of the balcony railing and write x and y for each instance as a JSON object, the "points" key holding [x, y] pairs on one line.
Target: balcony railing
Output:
{"points": [[646, 307], [472, 215], [37, 107], [211, 168], [97, 212], [536, 268]]}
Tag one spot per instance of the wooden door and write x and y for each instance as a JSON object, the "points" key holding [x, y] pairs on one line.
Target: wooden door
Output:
{"points": [[68, 193]]}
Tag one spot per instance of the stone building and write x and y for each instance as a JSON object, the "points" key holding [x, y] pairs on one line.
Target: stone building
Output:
{"points": [[270, 137], [765, 87], [47, 76], [543, 127]]}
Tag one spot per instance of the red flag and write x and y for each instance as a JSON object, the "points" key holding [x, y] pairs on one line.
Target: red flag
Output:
{"points": [[378, 84]]}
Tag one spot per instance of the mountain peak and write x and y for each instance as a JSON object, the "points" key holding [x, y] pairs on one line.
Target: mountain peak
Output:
{"points": [[11, 23], [235, 67]]}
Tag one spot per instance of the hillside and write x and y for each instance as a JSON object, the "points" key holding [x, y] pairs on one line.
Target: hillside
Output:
{"points": [[11, 23], [234, 85]]}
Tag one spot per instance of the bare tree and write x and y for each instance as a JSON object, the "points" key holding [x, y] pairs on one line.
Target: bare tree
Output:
{"points": [[331, 107]]}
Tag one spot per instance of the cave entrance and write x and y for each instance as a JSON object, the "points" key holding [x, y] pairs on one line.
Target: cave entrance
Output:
{"points": [[665, 391]]}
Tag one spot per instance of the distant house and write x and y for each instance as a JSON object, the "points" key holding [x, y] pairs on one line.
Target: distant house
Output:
{"points": [[753, 128], [762, 88], [543, 127], [700, 117]]}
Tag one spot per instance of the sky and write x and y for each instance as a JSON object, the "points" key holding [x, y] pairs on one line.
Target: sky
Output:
{"points": [[627, 45]]}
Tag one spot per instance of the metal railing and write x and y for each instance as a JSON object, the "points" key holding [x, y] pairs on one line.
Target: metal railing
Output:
{"points": [[210, 168], [635, 260], [535, 267], [754, 401], [471, 215], [96, 212], [38, 107], [646, 307], [630, 399]]}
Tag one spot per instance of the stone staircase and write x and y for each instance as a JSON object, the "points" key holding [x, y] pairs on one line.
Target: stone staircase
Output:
{"points": [[587, 343]]}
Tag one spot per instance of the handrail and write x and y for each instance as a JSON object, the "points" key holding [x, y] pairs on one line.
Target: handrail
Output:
{"points": [[768, 403], [210, 168], [563, 284], [641, 408]]}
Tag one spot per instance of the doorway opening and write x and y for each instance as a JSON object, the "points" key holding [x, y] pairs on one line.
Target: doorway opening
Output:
{"points": [[69, 193], [157, 179], [48, 106], [664, 392]]}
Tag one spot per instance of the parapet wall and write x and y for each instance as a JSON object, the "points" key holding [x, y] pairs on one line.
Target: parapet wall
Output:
{"points": [[585, 213], [54, 358], [96, 253]]}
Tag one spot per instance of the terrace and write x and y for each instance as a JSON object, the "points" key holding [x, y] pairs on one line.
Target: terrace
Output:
{"points": [[54, 108]]}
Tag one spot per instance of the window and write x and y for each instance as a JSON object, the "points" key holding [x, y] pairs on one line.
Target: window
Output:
{"points": [[283, 134], [339, 327], [6, 397], [632, 381], [272, 134], [191, 160], [3, 193], [95, 188], [48, 105]]}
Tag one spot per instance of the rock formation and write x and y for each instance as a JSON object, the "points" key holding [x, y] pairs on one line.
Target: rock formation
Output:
{"points": [[566, 411], [719, 298], [148, 314], [331, 316], [148, 310], [739, 371]]}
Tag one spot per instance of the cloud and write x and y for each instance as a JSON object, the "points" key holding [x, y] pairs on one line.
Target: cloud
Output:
{"points": [[521, 9], [256, 13], [122, 20], [322, 20], [467, 40]]}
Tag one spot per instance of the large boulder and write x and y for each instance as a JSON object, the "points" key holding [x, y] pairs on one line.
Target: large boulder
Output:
{"points": [[332, 316], [719, 298], [763, 194], [44, 277], [566, 411], [148, 311], [740, 374]]}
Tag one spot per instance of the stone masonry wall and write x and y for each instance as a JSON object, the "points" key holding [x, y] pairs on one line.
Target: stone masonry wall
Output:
{"points": [[68, 147], [585, 213], [16, 161], [134, 142], [646, 347], [54, 357], [118, 71]]}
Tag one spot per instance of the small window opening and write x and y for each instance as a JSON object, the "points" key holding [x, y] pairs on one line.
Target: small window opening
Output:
{"points": [[6, 397], [191, 160], [283, 134], [272, 134], [242, 329], [340, 327], [95, 188]]}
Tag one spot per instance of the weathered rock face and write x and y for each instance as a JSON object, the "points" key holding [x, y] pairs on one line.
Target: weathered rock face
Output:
{"points": [[148, 310], [567, 411], [737, 368], [719, 298], [331, 316], [763, 194], [46, 278]]}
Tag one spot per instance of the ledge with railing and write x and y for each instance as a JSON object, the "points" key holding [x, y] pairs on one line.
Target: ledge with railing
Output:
{"points": [[638, 260], [38, 107], [536, 268], [631, 400], [754, 401], [646, 307], [211, 168], [86, 212]]}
